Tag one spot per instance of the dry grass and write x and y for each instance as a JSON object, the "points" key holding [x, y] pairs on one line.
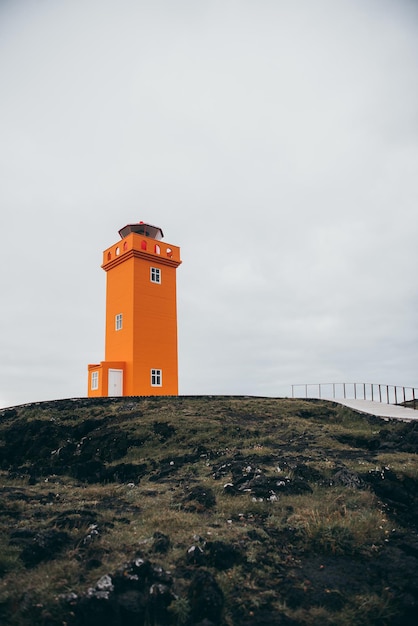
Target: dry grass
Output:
{"points": [[181, 443]]}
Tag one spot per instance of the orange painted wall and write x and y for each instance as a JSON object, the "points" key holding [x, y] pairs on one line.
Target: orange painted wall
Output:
{"points": [[155, 338], [119, 299], [148, 338], [100, 391], [103, 371]]}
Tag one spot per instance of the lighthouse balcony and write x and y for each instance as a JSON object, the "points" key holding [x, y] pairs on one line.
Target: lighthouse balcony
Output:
{"points": [[135, 244]]}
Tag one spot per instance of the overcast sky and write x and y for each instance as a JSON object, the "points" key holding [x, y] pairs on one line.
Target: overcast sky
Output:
{"points": [[274, 141]]}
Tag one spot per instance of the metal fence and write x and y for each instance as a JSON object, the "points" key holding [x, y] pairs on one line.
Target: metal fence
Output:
{"points": [[390, 394]]}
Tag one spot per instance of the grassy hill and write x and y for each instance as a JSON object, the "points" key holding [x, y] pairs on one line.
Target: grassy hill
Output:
{"points": [[206, 510]]}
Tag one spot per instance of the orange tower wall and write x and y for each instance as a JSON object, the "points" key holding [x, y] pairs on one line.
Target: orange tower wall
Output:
{"points": [[148, 337]]}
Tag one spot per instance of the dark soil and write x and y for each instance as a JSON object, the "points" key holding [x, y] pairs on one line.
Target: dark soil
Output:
{"points": [[206, 511]]}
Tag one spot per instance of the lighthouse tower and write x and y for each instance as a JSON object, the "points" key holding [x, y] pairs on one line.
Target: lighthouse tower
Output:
{"points": [[141, 317]]}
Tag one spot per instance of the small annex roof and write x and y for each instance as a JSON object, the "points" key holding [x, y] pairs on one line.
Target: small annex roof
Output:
{"points": [[141, 228]]}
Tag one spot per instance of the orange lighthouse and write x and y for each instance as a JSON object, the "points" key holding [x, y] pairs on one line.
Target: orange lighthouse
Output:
{"points": [[141, 317]]}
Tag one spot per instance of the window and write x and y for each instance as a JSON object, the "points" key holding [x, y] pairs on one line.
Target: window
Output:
{"points": [[156, 378], [95, 380], [118, 321], [155, 275]]}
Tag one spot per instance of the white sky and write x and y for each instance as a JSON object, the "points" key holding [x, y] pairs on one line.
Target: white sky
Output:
{"points": [[274, 141]]}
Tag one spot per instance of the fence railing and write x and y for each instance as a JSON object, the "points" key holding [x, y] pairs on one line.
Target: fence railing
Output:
{"points": [[390, 394]]}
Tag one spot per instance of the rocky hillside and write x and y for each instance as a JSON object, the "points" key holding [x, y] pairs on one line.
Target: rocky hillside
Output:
{"points": [[206, 510]]}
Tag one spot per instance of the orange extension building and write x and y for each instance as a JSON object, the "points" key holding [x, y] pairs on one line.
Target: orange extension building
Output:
{"points": [[141, 317]]}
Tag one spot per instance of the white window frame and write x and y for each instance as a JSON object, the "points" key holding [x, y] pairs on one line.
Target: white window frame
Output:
{"points": [[156, 378], [155, 275], [118, 321], [94, 385]]}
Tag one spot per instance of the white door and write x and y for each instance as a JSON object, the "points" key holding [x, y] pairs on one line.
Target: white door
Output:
{"points": [[115, 383]]}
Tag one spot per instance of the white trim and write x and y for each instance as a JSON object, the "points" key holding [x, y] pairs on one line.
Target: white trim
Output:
{"points": [[156, 378], [94, 381], [155, 275], [118, 321]]}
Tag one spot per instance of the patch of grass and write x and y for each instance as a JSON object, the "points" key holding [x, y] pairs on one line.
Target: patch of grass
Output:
{"points": [[287, 539], [402, 463], [340, 522], [369, 609], [9, 557], [180, 609]]}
